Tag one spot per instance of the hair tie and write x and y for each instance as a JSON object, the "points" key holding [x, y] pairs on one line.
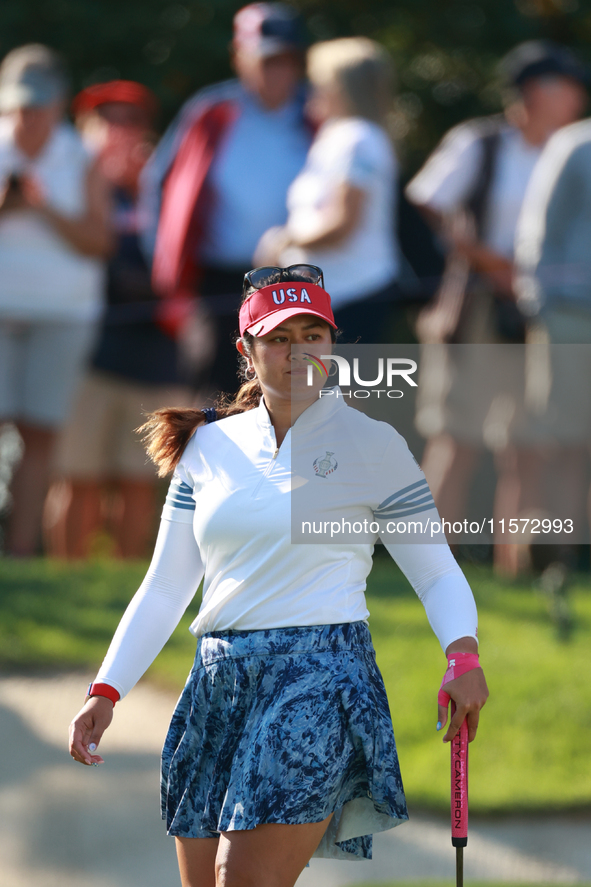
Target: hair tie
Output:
{"points": [[210, 414]]}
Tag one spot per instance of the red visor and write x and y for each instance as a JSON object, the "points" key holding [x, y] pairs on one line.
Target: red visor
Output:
{"points": [[271, 305]]}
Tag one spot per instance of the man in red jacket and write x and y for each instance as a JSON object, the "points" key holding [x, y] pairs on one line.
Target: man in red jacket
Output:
{"points": [[220, 176]]}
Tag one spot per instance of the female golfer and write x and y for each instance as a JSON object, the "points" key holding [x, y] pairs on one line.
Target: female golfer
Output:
{"points": [[281, 745]]}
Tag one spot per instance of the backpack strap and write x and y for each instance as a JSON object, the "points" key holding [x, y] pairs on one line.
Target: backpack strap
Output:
{"points": [[478, 200]]}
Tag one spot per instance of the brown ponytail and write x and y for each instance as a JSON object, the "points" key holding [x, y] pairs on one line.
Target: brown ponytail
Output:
{"points": [[167, 432]]}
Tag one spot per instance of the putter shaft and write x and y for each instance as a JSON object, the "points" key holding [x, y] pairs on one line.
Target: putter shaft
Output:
{"points": [[459, 867], [459, 796]]}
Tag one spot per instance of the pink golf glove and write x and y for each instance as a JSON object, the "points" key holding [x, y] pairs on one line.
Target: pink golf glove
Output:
{"points": [[457, 665]]}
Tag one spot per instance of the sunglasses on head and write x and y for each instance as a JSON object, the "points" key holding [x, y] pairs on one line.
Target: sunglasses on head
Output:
{"points": [[272, 274]]}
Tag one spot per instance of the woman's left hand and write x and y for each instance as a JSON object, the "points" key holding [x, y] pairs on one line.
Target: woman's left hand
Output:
{"points": [[469, 692]]}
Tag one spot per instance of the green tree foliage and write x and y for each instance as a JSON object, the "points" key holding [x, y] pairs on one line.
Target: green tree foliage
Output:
{"points": [[445, 51]]}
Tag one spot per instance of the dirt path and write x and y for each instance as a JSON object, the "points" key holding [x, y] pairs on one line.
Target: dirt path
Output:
{"points": [[63, 825]]}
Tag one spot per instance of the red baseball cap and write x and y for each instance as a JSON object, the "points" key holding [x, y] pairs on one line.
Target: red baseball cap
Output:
{"points": [[128, 91], [266, 308]]}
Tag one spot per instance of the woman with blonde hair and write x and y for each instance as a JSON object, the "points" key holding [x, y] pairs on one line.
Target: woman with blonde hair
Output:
{"points": [[342, 206]]}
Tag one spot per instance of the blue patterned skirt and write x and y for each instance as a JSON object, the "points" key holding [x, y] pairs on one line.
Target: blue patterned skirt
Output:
{"points": [[285, 725]]}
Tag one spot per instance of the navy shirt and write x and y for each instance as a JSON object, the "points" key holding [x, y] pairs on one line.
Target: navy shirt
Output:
{"points": [[130, 342]]}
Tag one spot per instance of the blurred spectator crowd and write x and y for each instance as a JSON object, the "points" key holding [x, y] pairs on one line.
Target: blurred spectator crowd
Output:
{"points": [[122, 257]]}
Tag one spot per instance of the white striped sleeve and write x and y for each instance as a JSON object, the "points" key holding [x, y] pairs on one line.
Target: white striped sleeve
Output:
{"points": [[405, 514], [405, 517], [180, 502], [412, 499]]}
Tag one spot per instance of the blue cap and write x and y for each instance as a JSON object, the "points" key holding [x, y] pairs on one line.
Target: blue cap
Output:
{"points": [[541, 58], [268, 29]]}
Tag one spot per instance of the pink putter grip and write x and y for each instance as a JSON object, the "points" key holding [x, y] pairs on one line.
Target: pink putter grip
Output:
{"points": [[459, 785]]}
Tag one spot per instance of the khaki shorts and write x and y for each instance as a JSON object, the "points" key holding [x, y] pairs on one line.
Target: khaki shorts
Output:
{"points": [[567, 420], [41, 365], [100, 440], [474, 393], [558, 380], [493, 395]]}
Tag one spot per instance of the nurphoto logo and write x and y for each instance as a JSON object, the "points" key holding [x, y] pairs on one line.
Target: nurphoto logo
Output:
{"points": [[388, 371]]}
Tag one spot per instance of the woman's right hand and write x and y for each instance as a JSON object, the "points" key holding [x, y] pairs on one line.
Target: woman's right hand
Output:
{"points": [[88, 726]]}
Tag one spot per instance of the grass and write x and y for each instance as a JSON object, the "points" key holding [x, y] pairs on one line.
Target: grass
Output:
{"points": [[532, 752], [57, 616]]}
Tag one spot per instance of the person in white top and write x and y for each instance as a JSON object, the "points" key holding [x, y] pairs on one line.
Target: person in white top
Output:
{"points": [[54, 236], [544, 91], [281, 745], [471, 189], [554, 290], [342, 206]]}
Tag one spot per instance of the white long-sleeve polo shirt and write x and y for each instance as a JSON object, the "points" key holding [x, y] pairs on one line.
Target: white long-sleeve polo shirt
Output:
{"points": [[227, 519]]}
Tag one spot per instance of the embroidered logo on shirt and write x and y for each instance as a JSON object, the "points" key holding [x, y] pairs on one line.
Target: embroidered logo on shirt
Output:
{"points": [[325, 465]]}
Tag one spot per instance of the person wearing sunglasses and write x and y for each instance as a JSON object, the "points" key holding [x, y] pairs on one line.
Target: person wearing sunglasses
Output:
{"points": [[342, 206], [281, 746]]}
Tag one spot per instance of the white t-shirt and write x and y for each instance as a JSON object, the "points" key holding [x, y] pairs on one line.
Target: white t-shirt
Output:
{"points": [[42, 277], [357, 152], [449, 177], [227, 518], [258, 159]]}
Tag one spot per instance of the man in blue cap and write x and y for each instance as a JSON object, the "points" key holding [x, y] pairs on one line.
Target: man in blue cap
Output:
{"points": [[220, 175], [472, 189]]}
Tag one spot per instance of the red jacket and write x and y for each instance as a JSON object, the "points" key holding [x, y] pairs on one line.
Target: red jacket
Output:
{"points": [[184, 202], [185, 197]]}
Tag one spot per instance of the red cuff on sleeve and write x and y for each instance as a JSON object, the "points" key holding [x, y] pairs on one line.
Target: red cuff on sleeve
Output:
{"points": [[104, 690]]}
